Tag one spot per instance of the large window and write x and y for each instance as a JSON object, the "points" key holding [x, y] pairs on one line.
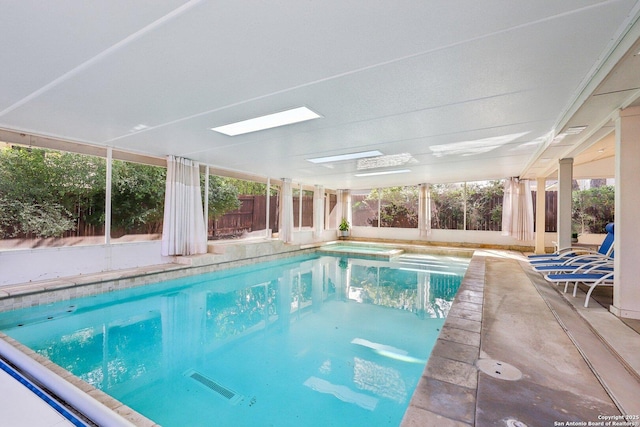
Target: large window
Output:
{"points": [[238, 208], [50, 197], [302, 208], [467, 205], [364, 209], [447, 206], [399, 207], [386, 207], [593, 205], [484, 205], [137, 199], [50, 194]]}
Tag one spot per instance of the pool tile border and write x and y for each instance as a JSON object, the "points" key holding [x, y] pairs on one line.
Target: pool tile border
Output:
{"points": [[446, 393]]}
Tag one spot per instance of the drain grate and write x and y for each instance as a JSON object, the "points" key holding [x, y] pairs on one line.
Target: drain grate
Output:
{"points": [[220, 389], [498, 369]]}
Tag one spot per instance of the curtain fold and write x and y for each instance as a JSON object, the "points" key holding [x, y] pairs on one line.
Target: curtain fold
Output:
{"points": [[286, 224], [424, 210], [318, 211], [517, 210], [183, 231]]}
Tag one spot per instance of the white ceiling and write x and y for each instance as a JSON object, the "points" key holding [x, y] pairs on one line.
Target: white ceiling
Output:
{"points": [[470, 90]]}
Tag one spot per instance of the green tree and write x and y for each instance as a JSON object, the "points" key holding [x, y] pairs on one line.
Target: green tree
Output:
{"points": [[398, 206], [137, 198], [484, 205], [28, 203], [223, 196], [593, 209], [447, 206]]}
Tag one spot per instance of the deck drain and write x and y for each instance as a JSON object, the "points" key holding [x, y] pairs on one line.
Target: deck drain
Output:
{"points": [[515, 423], [215, 386], [502, 370]]}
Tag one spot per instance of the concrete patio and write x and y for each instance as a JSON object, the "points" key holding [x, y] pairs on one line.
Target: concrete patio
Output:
{"points": [[515, 351]]}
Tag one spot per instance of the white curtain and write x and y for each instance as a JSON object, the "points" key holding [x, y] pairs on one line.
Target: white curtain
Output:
{"points": [[286, 216], [517, 210], [318, 211], [183, 231], [424, 210]]}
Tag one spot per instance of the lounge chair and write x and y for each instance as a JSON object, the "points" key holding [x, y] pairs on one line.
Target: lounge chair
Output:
{"points": [[561, 255], [569, 265], [590, 275]]}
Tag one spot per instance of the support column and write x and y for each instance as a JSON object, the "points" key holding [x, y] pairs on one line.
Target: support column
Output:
{"points": [[565, 182], [541, 210], [107, 197], [626, 292]]}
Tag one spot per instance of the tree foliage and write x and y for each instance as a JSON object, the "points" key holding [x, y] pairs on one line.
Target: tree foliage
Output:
{"points": [[48, 193], [593, 209], [223, 196]]}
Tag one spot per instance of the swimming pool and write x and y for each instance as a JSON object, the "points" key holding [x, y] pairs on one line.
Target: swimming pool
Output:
{"points": [[315, 340]]}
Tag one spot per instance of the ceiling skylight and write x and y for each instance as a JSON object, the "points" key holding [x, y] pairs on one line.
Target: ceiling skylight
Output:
{"points": [[350, 156], [384, 172], [288, 117], [386, 161]]}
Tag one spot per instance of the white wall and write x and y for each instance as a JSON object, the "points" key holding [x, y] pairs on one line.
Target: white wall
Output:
{"points": [[446, 236], [25, 265]]}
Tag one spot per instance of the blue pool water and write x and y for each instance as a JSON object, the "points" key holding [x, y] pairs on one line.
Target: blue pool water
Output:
{"points": [[305, 341]]}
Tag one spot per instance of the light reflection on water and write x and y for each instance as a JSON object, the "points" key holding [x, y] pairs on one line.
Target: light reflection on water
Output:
{"points": [[305, 341]]}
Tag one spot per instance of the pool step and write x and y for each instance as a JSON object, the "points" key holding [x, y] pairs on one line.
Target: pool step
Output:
{"points": [[425, 262]]}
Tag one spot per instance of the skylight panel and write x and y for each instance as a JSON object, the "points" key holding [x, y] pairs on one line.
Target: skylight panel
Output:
{"points": [[283, 118]]}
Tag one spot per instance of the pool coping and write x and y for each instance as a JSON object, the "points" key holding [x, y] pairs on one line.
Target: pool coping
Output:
{"points": [[446, 392]]}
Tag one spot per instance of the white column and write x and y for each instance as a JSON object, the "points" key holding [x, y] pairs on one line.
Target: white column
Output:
{"points": [[318, 211], [565, 181], [268, 203], [206, 200], [626, 292], [541, 210], [107, 198], [424, 210]]}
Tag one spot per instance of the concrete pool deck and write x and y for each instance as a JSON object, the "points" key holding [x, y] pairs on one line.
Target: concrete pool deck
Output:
{"points": [[545, 359], [515, 351]]}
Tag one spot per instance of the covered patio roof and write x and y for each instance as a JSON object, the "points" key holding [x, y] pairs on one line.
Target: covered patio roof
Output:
{"points": [[457, 91]]}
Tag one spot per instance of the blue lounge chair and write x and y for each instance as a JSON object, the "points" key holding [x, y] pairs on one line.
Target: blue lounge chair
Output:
{"points": [[606, 249], [571, 264], [587, 274]]}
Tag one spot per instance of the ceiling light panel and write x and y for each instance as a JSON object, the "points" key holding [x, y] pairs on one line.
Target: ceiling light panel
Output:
{"points": [[342, 157], [283, 118], [386, 161], [384, 172]]}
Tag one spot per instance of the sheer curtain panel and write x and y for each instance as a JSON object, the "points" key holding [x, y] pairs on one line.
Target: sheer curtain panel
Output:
{"points": [[184, 231], [517, 210]]}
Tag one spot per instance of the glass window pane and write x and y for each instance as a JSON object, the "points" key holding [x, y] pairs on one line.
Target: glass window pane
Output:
{"points": [[137, 200], [447, 206], [399, 207], [593, 205], [50, 197], [484, 205], [364, 208]]}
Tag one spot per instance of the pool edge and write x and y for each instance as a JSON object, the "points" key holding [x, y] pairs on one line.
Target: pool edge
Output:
{"points": [[446, 392]]}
